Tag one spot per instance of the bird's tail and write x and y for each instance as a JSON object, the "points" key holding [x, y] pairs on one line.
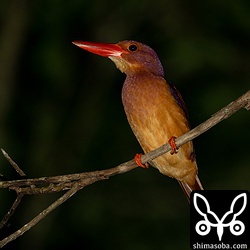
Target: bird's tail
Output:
{"points": [[188, 189]]}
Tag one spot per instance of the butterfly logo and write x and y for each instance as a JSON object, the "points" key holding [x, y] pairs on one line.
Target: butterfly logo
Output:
{"points": [[210, 219]]}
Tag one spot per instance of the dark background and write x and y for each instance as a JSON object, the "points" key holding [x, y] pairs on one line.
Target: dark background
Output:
{"points": [[61, 112]]}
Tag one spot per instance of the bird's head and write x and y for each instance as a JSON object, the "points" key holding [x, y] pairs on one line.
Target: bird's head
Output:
{"points": [[129, 56]]}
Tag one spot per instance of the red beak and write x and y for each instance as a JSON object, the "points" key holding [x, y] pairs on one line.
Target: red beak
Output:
{"points": [[101, 49]]}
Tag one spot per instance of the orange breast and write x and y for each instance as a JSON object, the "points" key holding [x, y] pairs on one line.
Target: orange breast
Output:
{"points": [[155, 116]]}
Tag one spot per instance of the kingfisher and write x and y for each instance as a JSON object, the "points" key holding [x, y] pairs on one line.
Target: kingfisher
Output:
{"points": [[154, 108]]}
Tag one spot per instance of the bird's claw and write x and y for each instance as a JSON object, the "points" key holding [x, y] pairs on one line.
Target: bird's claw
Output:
{"points": [[137, 159], [171, 142]]}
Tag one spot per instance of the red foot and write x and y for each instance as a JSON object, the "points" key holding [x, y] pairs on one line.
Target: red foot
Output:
{"points": [[171, 142], [138, 161]]}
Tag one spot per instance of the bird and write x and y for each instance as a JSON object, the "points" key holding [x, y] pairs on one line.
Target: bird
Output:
{"points": [[154, 108]]}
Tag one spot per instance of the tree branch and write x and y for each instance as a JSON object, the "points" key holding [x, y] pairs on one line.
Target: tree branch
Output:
{"points": [[12, 210], [64, 182], [75, 182], [13, 164]]}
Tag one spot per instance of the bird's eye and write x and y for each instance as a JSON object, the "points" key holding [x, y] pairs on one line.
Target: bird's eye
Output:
{"points": [[132, 47]]}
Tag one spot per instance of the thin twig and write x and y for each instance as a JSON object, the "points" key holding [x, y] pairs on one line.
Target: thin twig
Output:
{"points": [[11, 211], [13, 164]]}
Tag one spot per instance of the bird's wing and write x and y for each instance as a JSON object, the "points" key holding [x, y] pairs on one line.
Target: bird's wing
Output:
{"points": [[177, 95]]}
